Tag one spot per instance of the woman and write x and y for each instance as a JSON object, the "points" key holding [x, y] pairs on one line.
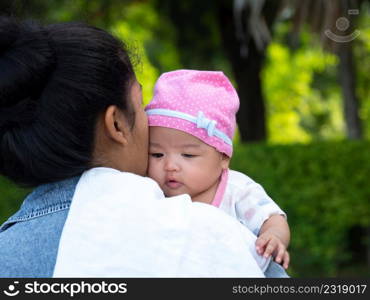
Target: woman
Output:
{"points": [[70, 105]]}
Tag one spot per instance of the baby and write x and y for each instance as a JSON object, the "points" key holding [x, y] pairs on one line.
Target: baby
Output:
{"points": [[192, 123]]}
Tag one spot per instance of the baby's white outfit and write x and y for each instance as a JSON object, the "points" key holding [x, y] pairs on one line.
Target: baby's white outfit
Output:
{"points": [[244, 199]]}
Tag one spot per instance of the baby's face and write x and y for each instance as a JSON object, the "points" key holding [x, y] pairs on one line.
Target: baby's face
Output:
{"points": [[183, 164]]}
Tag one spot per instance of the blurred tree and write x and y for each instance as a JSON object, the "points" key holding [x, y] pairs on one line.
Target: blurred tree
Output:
{"points": [[97, 12], [361, 52], [24, 8], [208, 31], [217, 34], [244, 30], [335, 20], [302, 97]]}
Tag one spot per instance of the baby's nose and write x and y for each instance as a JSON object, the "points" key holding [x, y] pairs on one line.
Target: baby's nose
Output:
{"points": [[171, 165]]}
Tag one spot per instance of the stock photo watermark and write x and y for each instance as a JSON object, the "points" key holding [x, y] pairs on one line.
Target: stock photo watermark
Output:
{"points": [[12, 290], [342, 24], [65, 288]]}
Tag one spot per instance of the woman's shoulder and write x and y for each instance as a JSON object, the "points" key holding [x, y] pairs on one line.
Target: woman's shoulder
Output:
{"points": [[44, 200]]}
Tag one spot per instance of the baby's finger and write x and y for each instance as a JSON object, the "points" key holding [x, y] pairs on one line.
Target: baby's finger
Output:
{"points": [[261, 243], [280, 253], [286, 260], [270, 248]]}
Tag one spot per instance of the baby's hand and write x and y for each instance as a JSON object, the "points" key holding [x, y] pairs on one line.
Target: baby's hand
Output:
{"points": [[268, 243]]}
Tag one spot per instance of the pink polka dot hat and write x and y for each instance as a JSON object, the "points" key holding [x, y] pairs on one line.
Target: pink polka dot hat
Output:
{"points": [[201, 103]]}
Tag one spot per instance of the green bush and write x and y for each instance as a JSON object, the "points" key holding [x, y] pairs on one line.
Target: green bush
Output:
{"points": [[324, 188]]}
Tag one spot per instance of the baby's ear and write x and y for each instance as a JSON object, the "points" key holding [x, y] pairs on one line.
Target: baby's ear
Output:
{"points": [[225, 161]]}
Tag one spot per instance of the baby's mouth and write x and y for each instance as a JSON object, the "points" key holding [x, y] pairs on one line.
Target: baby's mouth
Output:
{"points": [[173, 184]]}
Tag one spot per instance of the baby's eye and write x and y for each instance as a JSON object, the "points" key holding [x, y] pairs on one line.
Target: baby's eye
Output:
{"points": [[156, 155], [188, 155]]}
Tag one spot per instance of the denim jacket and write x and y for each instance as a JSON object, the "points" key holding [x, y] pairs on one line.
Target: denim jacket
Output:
{"points": [[29, 239]]}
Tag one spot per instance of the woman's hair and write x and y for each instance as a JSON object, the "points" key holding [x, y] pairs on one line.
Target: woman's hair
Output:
{"points": [[55, 81]]}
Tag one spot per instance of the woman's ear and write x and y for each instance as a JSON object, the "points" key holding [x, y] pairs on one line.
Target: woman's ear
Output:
{"points": [[225, 161], [116, 125]]}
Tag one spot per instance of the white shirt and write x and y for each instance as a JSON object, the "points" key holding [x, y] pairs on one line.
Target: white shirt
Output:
{"points": [[121, 225]]}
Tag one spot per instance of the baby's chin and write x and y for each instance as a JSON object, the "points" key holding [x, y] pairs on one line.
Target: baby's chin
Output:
{"points": [[173, 193]]}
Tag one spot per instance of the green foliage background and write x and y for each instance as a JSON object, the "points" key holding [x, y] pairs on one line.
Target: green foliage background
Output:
{"points": [[323, 187]]}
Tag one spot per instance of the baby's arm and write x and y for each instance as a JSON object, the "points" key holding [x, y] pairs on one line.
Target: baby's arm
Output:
{"points": [[257, 211], [274, 239]]}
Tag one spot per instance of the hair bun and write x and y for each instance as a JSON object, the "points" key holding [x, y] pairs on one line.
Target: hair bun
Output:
{"points": [[26, 61]]}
